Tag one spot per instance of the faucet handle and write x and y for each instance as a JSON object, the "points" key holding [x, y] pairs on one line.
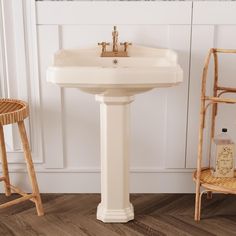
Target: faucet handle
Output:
{"points": [[125, 44], [103, 44]]}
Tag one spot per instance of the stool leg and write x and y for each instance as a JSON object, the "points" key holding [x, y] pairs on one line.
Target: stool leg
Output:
{"points": [[4, 163], [30, 168]]}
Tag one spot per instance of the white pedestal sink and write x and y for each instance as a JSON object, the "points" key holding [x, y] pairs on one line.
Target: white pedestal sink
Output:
{"points": [[115, 81]]}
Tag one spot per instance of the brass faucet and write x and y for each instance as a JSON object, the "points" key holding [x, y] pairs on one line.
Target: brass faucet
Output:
{"points": [[115, 40], [115, 49]]}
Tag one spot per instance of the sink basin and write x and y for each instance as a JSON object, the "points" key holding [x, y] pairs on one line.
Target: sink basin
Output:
{"points": [[144, 69], [115, 80]]}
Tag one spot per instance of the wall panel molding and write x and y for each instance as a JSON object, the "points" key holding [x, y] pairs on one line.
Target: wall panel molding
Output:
{"points": [[51, 99], [214, 13], [3, 61], [11, 70], [31, 39], [16, 81], [40, 169], [102, 12]]}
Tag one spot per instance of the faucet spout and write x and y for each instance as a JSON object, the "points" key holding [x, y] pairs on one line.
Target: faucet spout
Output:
{"points": [[115, 40]]}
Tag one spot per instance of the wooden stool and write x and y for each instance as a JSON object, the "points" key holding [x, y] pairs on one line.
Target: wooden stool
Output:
{"points": [[15, 111]]}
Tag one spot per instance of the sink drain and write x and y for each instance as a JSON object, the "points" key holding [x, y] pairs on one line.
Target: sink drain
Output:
{"points": [[115, 61]]}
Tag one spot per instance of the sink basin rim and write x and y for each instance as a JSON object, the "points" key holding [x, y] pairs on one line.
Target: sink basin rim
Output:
{"points": [[137, 52], [110, 78], [114, 76]]}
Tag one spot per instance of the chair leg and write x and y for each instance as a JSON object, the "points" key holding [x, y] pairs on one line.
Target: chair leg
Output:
{"points": [[30, 167], [4, 163], [209, 195], [197, 204], [199, 163]]}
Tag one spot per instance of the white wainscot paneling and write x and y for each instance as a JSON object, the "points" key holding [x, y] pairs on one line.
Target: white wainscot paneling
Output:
{"points": [[15, 77], [202, 40], [161, 153], [82, 130], [159, 117], [70, 118], [113, 12], [51, 99], [214, 12]]}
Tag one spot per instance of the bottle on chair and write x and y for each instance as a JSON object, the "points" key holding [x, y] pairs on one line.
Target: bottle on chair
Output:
{"points": [[223, 155]]}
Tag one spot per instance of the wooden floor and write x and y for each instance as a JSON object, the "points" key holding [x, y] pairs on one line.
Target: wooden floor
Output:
{"points": [[155, 214]]}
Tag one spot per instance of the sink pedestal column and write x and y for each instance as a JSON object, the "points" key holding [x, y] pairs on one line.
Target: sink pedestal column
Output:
{"points": [[115, 139]]}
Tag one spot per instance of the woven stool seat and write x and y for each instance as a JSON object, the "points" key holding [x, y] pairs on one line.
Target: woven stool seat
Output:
{"points": [[12, 111], [15, 111]]}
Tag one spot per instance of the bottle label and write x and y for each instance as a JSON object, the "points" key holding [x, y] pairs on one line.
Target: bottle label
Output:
{"points": [[224, 160]]}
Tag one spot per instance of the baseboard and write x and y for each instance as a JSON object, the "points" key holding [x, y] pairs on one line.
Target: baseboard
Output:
{"points": [[53, 182]]}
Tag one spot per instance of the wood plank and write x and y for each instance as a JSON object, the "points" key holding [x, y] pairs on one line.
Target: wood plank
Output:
{"points": [[156, 214]]}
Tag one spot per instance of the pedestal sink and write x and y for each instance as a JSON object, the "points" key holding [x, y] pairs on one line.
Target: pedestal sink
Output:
{"points": [[115, 81]]}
